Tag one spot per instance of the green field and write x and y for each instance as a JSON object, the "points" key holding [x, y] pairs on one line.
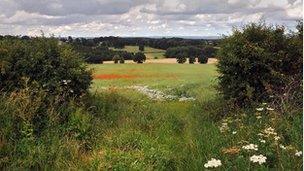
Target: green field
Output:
{"points": [[150, 52], [145, 134]]}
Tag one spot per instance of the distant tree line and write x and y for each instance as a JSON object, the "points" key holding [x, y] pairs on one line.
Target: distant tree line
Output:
{"points": [[159, 43], [96, 50], [181, 53]]}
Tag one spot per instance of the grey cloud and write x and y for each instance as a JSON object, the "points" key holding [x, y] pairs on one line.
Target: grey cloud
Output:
{"points": [[129, 15]]}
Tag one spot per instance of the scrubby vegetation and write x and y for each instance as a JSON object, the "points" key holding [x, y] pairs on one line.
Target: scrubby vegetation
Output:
{"points": [[174, 119], [260, 63]]}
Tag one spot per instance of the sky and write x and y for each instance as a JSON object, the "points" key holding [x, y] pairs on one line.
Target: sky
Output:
{"points": [[144, 18]]}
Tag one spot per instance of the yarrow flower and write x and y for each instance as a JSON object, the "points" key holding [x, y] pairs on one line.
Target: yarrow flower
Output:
{"points": [[250, 147], [269, 131], [298, 153], [224, 127], [270, 109], [259, 117], [258, 159], [282, 147], [213, 163], [262, 141], [234, 132], [65, 82], [276, 138], [260, 109]]}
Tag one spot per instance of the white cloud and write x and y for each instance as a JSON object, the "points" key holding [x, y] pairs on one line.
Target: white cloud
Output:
{"points": [[141, 17]]}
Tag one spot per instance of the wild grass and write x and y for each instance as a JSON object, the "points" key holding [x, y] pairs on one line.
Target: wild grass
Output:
{"points": [[121, 129]]}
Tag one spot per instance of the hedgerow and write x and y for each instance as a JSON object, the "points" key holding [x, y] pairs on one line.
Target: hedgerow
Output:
{"points": [[42, 63], [258, 63]]}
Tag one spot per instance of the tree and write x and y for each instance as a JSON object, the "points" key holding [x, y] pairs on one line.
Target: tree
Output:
{"points": [[192, 60], [181, 58], [202, 59], [141, 47], [139, 57], [209, 51], [116, 58], [121, 60]]}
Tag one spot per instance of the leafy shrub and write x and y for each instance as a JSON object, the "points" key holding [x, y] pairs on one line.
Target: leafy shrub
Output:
{"points": [[257, 62], [122, 60], [202, 59], [181, 58], [116, 58], [43, 63], [192, 60], [139, 57]]}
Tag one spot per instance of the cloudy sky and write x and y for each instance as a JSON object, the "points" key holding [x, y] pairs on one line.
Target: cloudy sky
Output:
{"points": [[90, 18]]}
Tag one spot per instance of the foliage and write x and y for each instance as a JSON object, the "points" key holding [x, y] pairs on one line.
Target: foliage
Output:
{"points": [[192, 60], [187, 51], [120, 42], [181, 58], [122, 60], [116, 58], [42, 63], [202, 59], [141, 47], [209, 51], [257, 62], [139, 57]]}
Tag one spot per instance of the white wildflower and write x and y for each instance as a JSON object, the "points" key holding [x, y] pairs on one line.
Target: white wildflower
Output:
{"points": [[213, 163], [186, 99], [270, 109], [250, 147], [276, 138], [258, 159], [234, 132], [298, 153], [262, 141], [260, 109], [264, 104], [159, 95], [282, 147], [259, 117], [260, 134], [224, 127], [269, 132]]}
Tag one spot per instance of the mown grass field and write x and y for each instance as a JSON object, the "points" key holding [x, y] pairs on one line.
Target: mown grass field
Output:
{"points": [[144, 134], [150, 52]]}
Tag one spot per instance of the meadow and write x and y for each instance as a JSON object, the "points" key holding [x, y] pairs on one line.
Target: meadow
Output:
{"points": [[164, 134]]}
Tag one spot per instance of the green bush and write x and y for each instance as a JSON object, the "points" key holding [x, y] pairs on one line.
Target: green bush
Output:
{"points": [[257, 62], [181, 58], [116, 58], [203, 59], [139, 57], [122, 60], [192, 60], [43, 63]]}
